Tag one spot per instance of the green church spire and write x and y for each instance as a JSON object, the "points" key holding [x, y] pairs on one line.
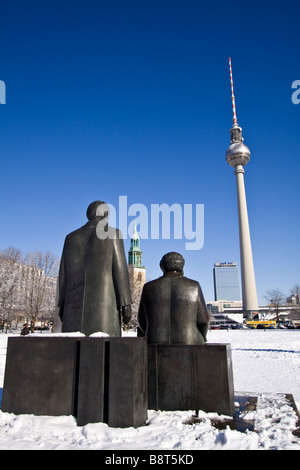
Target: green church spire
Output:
{"points": [[135, 253]]}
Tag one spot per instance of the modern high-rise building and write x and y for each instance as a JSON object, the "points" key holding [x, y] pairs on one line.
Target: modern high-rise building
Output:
{"points": [[226, 281], [237, 156]]}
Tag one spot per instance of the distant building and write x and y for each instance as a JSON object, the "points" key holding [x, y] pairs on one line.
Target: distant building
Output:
{"points": [[26, 293], [226, 281], [224, 305], [293, 300]]}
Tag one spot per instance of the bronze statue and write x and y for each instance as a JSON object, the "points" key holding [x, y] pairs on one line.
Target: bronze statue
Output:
{"points": [[94, 286], [172, 308]]}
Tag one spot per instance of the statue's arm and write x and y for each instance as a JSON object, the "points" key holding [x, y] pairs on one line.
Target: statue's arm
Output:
{"points": [[126, 313], [61, 287], [121, 279], [202, 315], [142, 319]]}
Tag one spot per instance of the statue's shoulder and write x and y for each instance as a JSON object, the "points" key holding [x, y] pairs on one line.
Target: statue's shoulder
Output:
{"points": [[73, 234], [119, 235], [191, 282], [151, 284], [115, 235]]}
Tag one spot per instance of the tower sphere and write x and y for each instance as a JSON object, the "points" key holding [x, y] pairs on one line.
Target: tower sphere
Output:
{"points": [[237, 154]]}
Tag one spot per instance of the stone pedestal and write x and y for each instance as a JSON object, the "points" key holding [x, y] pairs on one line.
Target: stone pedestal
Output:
{"points": [[190, 377], [128, 397], [94, 379], [112, 384], [41, 375]]}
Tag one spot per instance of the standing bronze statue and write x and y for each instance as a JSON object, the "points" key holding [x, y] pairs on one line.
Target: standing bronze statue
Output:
{"points": [[94, 289], [172, 308]]}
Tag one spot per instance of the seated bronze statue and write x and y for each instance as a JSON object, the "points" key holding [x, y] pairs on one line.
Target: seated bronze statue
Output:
{"points": [[172, 308]]}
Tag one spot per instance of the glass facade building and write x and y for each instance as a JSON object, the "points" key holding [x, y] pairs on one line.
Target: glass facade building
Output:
{"points": [[226, 281]]}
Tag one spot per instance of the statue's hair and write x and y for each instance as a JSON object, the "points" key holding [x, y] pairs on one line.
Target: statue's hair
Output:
{"points": [[172, 262], [91, 212]]}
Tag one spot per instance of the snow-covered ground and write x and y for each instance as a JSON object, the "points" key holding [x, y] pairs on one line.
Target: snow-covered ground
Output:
{"points": [[265, 363]]}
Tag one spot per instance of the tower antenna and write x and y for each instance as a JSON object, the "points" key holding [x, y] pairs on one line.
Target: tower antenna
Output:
{"points": [[232, 95]]}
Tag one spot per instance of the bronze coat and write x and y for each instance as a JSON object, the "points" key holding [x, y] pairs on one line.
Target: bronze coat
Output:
{"points": [[93, 282], [173, 311]]}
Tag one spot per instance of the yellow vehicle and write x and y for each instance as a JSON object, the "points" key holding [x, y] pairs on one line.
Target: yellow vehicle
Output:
{"points": [[261, 324]]}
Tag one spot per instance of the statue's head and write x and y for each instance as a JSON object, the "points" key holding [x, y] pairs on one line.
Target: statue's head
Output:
{"points": [[172, 262], [97, 210]]}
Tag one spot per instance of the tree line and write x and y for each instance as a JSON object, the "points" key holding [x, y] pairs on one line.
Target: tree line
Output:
{"points": [[27, 286], [277, 300], [28, 289]]}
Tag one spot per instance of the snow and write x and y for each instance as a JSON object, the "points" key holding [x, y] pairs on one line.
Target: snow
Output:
{"points": [[75, 334], [99, 334], [265, 364]]}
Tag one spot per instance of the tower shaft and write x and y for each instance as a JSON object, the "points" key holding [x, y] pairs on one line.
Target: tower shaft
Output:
{"points": [[237, 156], [247, 268]]}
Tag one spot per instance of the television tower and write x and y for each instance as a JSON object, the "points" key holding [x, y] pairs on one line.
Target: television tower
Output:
{"points": [[237, 156]]}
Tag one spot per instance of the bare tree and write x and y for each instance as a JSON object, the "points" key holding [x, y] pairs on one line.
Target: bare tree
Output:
{"points": [[42, 268], [49, 306], [276, 298], [10, 260], [137, 281], [136, 292]]}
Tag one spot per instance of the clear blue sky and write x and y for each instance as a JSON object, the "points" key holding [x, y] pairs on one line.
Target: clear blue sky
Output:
{"points": [[113, 97]]}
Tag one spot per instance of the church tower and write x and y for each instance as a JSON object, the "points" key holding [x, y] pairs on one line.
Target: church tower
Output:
{"points": [[136, 272], [135, 253]]}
